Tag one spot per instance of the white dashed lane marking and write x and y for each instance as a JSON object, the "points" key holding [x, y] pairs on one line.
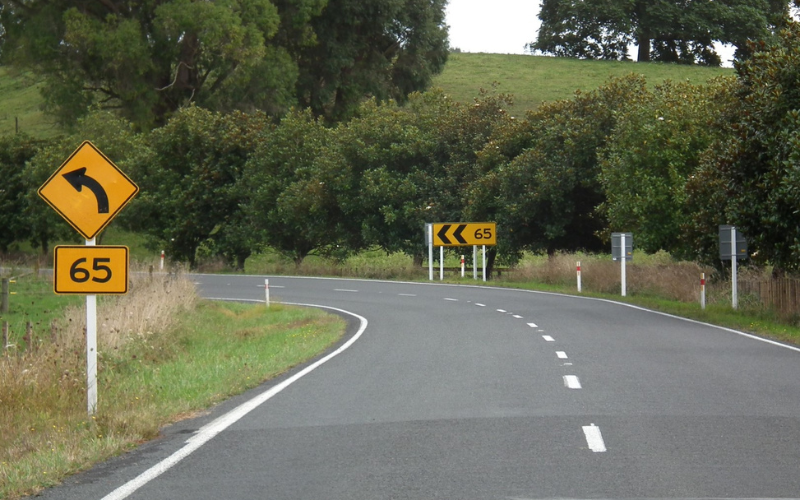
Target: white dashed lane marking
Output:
{"points": [[479, 304], [518, 316], [532, 325], [501, 310], [594, 438], [344, 290], [451, 300], [407, 294], [548, 338], [572, 382], [561, 354]]}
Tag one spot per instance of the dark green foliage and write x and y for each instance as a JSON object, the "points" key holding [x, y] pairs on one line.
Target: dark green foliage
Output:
{"points": [[681, 31], [15, 223], [190, 183]]}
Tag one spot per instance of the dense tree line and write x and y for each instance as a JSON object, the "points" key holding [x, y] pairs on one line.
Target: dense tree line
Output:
{"points": [[146, 60], [678, 31], [668, 162]]}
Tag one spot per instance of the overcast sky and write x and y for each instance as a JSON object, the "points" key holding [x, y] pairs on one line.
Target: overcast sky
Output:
{"points": [[501, 26], [492, 26]]}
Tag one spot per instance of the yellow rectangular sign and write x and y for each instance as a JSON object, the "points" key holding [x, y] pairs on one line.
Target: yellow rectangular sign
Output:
{"points": [[459, 234], [91, 270]]}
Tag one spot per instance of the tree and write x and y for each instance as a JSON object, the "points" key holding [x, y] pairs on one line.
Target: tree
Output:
{"points": [[287, 207], [756, 168], [681, 31], [655, 149], [146, 59], [190, 184], [382, 48], [15, 152]]}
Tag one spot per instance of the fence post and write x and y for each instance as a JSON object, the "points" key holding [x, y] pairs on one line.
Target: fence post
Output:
{"points": [[579, 276], [4, 300], [5, 336]]}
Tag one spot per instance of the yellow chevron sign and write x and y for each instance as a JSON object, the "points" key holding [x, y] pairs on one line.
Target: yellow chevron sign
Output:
{"points": [[462, 234]]}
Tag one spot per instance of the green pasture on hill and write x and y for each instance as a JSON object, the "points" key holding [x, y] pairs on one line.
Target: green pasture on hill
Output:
{"points": [[531, 79], [537, 79]]}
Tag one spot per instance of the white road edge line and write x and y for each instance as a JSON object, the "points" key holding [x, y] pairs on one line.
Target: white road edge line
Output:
{"points": [[548, 338], [208, 431], [594, 439], [572, 382], [561, 354]]}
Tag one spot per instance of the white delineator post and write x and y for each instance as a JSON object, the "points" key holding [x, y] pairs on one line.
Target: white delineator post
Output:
{"points": [[622, 264], [91, 348], [162, 260], [462, 266], [579, 275], [702, 290], [266, 291], [734, 287]]}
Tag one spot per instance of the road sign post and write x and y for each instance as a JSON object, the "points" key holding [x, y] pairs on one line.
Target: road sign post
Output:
{"points": [[622, 250], [460, 234], [732, 246], [90, 269]]}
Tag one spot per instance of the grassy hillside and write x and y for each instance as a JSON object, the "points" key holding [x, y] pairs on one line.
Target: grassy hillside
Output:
{"points": [[532, 80], [536, 79], [20, 103]]}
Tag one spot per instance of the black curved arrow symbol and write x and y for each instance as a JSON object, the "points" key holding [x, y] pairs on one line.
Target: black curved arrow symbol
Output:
{"points": [[457, 234], [78, 179], [442, 234]]}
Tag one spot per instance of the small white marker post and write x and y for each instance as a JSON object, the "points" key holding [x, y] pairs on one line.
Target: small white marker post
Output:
{"points": [[734, 287], [702, 290], [266, 291], [91, 348], [462, 266], [484, 262], [579, 276], [475, 262], [623, 254], [162, 260]]}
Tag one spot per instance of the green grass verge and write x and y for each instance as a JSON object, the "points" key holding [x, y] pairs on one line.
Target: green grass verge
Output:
{"points": [[219, 349]]}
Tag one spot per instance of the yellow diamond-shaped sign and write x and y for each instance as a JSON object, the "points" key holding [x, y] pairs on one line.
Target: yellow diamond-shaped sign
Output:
{"points": [[88, 190]]}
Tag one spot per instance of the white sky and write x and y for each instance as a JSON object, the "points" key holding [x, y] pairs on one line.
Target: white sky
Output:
{"points": [[502, 26], [492, 26]]}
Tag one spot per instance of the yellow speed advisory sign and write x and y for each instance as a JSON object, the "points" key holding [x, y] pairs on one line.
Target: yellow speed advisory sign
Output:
{"points": [[458, 234], [91, 270]]}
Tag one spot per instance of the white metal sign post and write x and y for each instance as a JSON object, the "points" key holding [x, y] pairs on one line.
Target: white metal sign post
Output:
{"points": [[622, 249], [734, 287], [91, 348], [429, 228], [475, 262], [732, 245]]}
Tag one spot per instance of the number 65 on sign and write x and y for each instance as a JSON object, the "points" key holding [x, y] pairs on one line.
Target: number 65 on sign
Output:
{"points": [[91, 270]]}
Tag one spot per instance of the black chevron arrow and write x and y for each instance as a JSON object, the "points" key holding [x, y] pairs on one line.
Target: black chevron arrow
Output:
{"points": [[457, 234], [78, 179], [442, 234]]}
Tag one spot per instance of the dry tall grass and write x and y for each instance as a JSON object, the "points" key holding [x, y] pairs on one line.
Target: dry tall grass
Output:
{"points": [[43, 390]]}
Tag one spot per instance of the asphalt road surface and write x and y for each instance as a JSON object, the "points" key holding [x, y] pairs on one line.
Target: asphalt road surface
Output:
{"points": [[458, 392]]}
